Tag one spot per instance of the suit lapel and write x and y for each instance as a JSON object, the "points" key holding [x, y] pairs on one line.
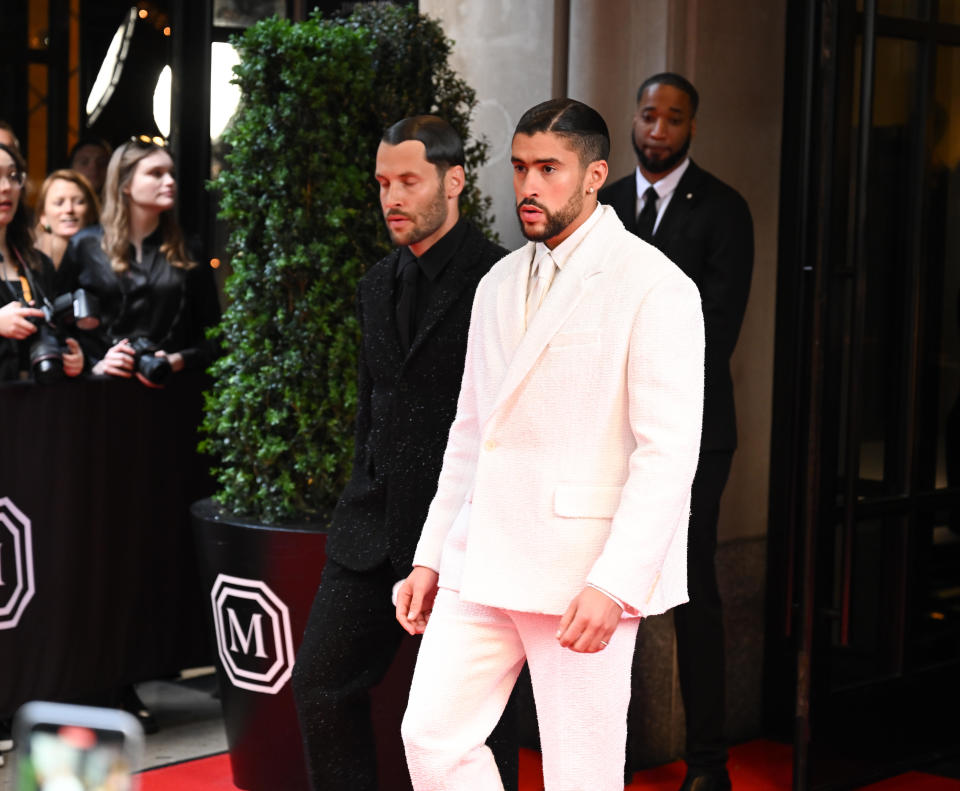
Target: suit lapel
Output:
{"points": [[684, 199], [565, 294], [379, 312], [623, 198], [457, 276], [511, 302]]}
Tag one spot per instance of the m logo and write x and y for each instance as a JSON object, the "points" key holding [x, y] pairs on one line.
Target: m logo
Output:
{"points": [[253, 634], [16, 564]]}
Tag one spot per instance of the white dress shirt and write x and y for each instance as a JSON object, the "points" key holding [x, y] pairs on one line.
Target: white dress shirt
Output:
{"points": [[560, 255], [665, 188]]}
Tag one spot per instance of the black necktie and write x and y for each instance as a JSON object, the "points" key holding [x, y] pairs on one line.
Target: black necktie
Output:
{"points": [[648, 216], [406, 300]]}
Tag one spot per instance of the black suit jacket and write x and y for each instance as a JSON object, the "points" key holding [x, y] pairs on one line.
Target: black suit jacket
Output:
{"points": [[707, 231], [406, 403]]}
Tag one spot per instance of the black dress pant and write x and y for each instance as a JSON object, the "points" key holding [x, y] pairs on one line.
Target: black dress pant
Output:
{"points": [[699, 622], [351, 639]]}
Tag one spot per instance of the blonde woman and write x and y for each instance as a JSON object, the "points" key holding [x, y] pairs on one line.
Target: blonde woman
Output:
{"points": [[66, 204], [155, 300]]}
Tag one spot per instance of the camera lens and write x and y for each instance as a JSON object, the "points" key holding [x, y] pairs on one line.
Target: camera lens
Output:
{"points": [[46, 356], [154, 369]]}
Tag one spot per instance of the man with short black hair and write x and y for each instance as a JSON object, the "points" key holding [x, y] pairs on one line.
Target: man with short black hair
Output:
{"points": [[704, 227], [414, 310], [561, 510]]}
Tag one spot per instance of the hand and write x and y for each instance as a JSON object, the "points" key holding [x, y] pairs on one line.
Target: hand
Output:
{"points": [[73, 358], [415, 599], [175, 359], [118, 361], [589, 622], [14, 323]]}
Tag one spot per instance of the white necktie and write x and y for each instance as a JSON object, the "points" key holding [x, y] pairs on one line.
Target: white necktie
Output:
{"points": [[545, 269]]}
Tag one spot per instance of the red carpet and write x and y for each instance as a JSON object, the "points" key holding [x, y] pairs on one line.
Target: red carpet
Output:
{"points": [[755, 766]]}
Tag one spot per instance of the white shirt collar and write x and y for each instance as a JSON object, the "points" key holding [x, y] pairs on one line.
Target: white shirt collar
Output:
{"points": [[664, 186], [562, 252]]}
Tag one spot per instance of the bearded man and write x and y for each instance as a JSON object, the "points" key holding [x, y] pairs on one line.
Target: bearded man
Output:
{"points": [[704, 227], [414, 310], [560, 516]]}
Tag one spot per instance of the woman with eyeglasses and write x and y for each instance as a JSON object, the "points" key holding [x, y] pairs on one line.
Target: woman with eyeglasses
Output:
{"points": [[66, 204], [27, 277], [155, 301]]}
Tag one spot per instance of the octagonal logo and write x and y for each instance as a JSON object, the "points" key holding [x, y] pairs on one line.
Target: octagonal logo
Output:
{"points": [[254, 639], [16, 563]]}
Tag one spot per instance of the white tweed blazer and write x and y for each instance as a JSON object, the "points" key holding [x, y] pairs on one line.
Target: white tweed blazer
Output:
{"points": [[575, 443]]}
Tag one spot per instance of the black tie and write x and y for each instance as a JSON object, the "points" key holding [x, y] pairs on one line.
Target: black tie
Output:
{"points": [[406, 300], [648, 215]]}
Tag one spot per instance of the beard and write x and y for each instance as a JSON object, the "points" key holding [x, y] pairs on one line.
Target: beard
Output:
{"points": [[660, 165], [555, 221], [425, 222]]}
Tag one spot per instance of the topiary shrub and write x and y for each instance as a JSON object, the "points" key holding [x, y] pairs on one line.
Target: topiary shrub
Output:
{"points": [[298, 194]]}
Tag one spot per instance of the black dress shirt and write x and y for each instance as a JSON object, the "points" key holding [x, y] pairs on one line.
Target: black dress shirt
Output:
{"points": [[431, 266]]}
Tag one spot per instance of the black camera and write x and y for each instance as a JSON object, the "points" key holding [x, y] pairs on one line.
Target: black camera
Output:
{"points": [[146, 363], [76, 309]]}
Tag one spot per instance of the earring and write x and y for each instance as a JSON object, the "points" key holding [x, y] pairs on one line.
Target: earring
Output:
{"points": [[48, 228], [589, 190]]}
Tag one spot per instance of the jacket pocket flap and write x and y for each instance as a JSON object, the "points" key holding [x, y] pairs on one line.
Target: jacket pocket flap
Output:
{"points": [[597, 502]]}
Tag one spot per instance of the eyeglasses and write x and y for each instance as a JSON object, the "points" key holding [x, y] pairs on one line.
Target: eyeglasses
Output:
{"points": [[148, 141], [14, 178]]}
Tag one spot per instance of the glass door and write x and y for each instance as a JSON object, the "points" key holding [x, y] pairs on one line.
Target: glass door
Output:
{"points": [[865, 621]]}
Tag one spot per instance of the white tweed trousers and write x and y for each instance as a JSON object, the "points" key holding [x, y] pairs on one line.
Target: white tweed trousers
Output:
{"points": [[469, 660]]}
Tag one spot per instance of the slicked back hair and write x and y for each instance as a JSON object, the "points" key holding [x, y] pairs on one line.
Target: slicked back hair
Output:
{"points": [[675, 80], [443, 145], [581, 125]]}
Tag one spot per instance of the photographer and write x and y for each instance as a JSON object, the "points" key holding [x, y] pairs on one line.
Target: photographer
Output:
{"points": [[155, 302], [27, 278]]}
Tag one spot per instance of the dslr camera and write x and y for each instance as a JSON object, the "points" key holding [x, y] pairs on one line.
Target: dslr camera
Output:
{"points": [[78, 309], [146, 363]]}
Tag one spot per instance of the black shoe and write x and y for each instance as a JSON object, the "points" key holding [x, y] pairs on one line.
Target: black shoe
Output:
{"points": [[130, 701], [700, 780]]}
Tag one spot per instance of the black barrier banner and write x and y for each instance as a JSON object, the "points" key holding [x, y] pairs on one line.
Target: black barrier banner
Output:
{"points": [[99, 579], [16, 563]]}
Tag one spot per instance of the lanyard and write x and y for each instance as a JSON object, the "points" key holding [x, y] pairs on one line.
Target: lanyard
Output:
{"points": [[26, 281]]}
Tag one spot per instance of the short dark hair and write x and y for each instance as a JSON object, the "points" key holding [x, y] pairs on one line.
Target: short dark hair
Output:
{"points": [[443, 145], [583, 126], [88, 140], [677, 81]]}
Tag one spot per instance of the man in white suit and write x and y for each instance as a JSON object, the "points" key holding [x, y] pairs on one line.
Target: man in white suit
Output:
{"points": [[561, 511]]}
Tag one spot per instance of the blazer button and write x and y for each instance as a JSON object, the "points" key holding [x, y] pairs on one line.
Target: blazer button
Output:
{"points": [[489, 444]]}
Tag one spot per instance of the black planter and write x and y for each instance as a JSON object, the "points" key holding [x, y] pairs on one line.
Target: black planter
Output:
{"points": [[261, 581]]}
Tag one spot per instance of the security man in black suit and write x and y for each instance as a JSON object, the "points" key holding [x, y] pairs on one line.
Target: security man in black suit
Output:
{"points": [[703, 226], [414, 311]]}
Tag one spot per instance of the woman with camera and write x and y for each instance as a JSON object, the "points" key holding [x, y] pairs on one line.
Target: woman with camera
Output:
{"points": [[66, 205], [155, 301], [27, 277]]}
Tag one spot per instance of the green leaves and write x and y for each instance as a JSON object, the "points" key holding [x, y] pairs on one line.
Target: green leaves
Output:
{"points": [[298, 194]]}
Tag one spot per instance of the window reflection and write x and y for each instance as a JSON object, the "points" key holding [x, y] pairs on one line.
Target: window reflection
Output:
{"points": [[882, 408], [242, 13], [940, 315]]}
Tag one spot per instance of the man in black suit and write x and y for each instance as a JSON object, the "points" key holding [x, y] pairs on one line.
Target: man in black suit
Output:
{"points": [[414, 311], [703, 226]]}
